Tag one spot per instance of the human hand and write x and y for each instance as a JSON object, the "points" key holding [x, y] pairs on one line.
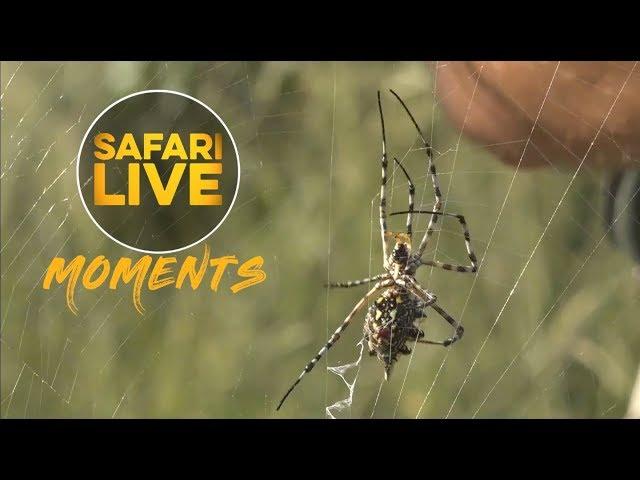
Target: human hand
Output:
{"points": [[587, 101]]}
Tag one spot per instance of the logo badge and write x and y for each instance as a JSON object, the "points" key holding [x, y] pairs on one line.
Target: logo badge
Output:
{"points": [[158, 171]]}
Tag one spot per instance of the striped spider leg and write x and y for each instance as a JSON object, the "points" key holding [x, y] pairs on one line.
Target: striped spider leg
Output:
{"points": [[383, 213], [336, 335], [409, 283], [357, 283], [383, 188], [437, 205], [435, 212]]}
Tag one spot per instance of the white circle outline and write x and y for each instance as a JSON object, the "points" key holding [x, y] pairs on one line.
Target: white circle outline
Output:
{"points": [[142, 92]]}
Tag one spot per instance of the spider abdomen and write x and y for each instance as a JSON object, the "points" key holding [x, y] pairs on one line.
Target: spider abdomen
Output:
{"points": [[390, 323]]}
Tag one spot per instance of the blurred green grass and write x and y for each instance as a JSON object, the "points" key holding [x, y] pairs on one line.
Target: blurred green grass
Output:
{"points": [[214, 354]]}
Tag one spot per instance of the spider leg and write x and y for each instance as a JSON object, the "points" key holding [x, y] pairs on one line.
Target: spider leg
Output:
{"points": [[419, 292], [356, 283], [412, 192], [336, 335], [467, 242], [437, 206], [383, 184], [409, 284], [431, 342], [459, 329]]}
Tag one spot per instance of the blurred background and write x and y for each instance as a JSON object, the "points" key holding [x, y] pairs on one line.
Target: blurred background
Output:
{"points": [[551, 318]]}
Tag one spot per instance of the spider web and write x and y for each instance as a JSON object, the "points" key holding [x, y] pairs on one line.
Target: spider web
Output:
{"points": [[515, 282], [548, 333]]}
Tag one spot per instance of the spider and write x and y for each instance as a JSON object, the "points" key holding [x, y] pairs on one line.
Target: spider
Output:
{"points": [[390, 321]]}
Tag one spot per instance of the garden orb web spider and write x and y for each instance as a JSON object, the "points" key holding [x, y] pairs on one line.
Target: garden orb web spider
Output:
{"points": [[390, 321]]}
